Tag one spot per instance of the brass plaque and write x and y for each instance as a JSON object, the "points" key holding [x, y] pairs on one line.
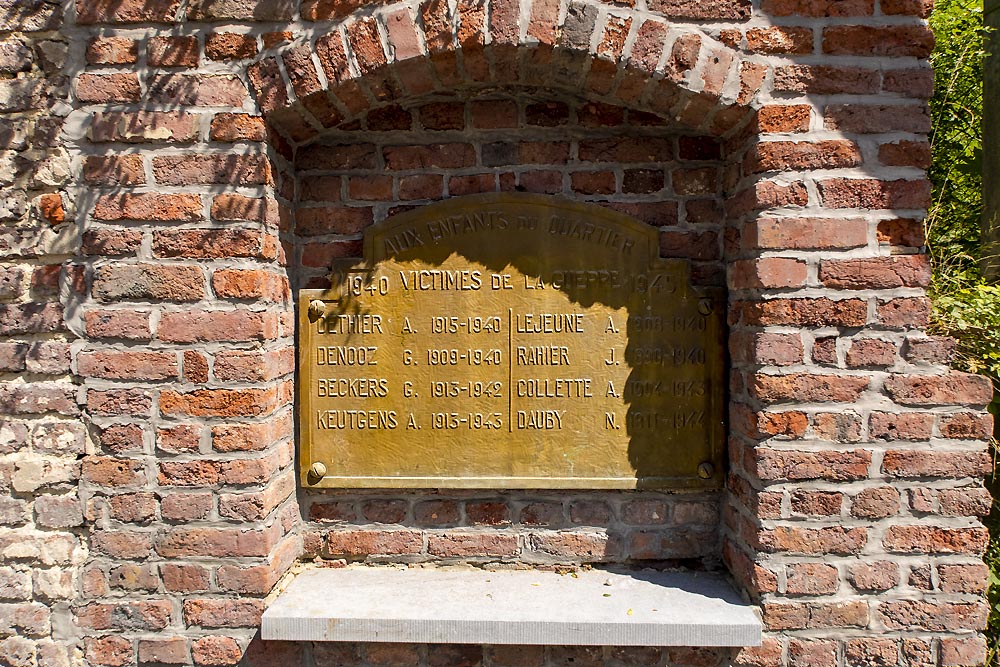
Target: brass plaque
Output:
{"points": [[511, 341]]}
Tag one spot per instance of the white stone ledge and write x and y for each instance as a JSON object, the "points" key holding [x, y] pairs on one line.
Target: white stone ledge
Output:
{"points": [[473, 606]]}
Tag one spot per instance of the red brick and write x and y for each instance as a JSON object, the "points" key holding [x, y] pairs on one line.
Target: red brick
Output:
{"points": [[869, 651], [963, 578], [172, 52], [808, 387], [901, 232], [767, 273], [935, 540], [197, 243], [127, 365], [112, 51], [180, 438], [220, 402], [915, 615], [811, 579], [966, 425], [783, 118], [464, 545], [775, 465], [828, 540], [371, 188], [815, 503], [965, 501], [812, 653], [901, 426], [895, 41], [332, 220], [125, 11], [197, 90], [113, 472], [373, 542], [773, 349], [690, 244], [220, 325], [168, 651], [220, 613], [926, 463], [108, 88], [807, 312], [114, 170], [231, 127], [148, 207], [710, 10], [819, 8], [16, 319], [250, 437], [876, 503], [301, 71], [207, 169], [877, 118], [780, 40], [144, 127], [184, 578], [874, 194], [195, 367], [122, 544], [216, 651], [953, 388], [963, 651], [432, 156], [878, 576], [122, 282], [816, 615], [921, 8], [230, 46], [807, 233], [906, 154], [111, 650], [791, 155], [825, 80]]}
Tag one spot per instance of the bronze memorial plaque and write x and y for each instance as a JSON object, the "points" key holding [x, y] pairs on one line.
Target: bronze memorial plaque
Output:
{"points": [[511, 341]]}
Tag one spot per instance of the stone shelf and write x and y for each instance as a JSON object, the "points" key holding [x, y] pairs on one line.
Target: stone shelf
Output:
{"points": [[472, 606]]}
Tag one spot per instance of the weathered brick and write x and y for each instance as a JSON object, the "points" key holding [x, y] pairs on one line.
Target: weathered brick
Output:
{"points": [[928, 463], [876, 503], [221, 325], [148, 207], [373, 542], [220, 402], [220, 613], [878, 576], [935, 540], [108, 88], [952, 388], [834, 540], [932, 616], [143, 282], [807, 387], [112, 51], [776, 464]]}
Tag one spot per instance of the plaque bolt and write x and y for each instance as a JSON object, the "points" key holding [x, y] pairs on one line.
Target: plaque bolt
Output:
{"points": [[705, 470], [705, 307], [317, 309], [317, 471]]}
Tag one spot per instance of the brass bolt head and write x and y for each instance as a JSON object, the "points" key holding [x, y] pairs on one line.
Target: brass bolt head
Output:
{"points": [[317, 471], [317, 309], [705, 470]]}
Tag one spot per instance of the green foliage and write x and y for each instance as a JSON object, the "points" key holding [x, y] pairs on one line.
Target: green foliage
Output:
{"points": [[965, 307], [953, 222]]}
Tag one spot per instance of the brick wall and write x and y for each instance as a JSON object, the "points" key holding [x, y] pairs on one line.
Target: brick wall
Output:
{"points": [[173, 170]]}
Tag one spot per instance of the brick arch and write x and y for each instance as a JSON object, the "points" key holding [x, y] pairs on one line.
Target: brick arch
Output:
{"points": [[600, 52]]}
